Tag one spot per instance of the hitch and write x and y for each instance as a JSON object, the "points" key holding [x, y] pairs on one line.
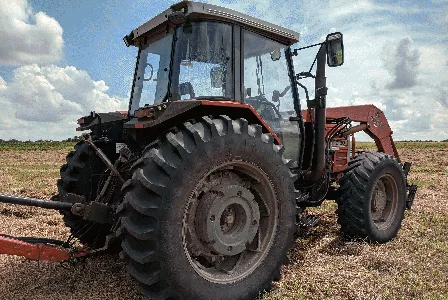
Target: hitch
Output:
{"points": [[36, 202], [42, 248], [48, 249], [39, 249], [94, 211]]}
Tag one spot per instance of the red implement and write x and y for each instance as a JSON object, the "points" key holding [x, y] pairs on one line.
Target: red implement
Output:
{"points": [[34, 251]]}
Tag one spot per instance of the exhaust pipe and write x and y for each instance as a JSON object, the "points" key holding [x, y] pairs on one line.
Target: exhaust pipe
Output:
{"points": [[318, 163]]}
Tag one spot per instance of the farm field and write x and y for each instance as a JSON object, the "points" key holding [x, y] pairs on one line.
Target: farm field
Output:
{"points": [[322, 264]]}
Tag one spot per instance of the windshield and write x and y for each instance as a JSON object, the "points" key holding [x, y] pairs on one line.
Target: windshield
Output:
{"points": [[202, 66], [152, 73], [203, 61]]}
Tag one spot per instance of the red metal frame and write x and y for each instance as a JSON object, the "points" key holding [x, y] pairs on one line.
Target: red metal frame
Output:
{"points": [[341, 155], [11, 246], [147, 115], [373, 122]]}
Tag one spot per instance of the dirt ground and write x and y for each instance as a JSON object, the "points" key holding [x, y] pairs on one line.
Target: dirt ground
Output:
{"points": [[322, 264]]}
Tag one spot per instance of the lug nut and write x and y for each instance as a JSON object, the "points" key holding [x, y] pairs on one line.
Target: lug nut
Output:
{"points": [[212, 218], [254, 222], [239, 193], [229, 248]]}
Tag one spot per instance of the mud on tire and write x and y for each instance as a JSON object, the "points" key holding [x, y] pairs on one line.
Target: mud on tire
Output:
{"points": [[159, 242], [372, 197]]}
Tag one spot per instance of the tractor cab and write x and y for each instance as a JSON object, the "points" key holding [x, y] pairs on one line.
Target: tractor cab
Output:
{"points": [[195, 183], [196, 51]]}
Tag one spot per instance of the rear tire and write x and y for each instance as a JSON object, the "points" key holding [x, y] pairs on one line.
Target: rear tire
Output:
{"points": [[78, 177], [372, 197], [176, 181]]}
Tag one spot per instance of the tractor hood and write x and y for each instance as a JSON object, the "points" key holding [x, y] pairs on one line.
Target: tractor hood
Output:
{"points": [[100, 120], [188, 11]]}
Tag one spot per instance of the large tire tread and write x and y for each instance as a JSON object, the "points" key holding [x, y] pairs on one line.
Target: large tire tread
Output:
{"points": [[145, 194], [355, 190], [76, 179]]}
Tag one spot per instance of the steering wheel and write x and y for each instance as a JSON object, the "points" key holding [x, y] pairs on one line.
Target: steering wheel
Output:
{"points": [[264, 107], [276, 95]]}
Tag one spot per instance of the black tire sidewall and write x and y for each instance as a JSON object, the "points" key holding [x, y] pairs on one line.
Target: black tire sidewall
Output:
{"points": [[82, 166], [391, 167], [174, 262], [86, 183]]}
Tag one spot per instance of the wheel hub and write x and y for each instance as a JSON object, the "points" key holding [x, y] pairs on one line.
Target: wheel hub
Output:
{"points": [[227, 219], [379, 200], [230, 222]]}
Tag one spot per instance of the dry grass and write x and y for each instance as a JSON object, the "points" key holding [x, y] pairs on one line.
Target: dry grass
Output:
{"points": [[322, 265]]}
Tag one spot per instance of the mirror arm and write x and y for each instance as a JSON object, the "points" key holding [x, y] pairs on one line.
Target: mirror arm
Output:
{"points": [[318, 161], [295, 51]]}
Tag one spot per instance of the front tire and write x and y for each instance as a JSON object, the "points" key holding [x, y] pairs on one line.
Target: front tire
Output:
{"points": [[372, 197], [209, 212]]}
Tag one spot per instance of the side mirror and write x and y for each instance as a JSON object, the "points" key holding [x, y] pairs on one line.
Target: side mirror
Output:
{"points": [[216, 77], [335, 49]]}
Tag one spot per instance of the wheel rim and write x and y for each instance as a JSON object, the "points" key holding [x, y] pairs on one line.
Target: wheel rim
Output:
{"points": [[230, 222], [383, 206]]}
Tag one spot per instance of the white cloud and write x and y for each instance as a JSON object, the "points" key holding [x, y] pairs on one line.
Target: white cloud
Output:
{"points": [[42, 101], [403, 63], [28, 37], [2, 84], [384, 47], [45, 102], [343, 8]]}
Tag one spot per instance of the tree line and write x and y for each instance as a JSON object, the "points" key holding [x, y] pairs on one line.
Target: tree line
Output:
{"points": [[68, 140]]}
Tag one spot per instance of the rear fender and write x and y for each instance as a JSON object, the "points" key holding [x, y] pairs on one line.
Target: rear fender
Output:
{"points": [[151, 121]]}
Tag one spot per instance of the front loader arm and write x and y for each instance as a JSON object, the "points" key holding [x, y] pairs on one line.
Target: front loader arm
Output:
{"points": [[372, 121]]}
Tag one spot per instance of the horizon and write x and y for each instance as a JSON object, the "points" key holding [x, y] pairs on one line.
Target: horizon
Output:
{"points": [[59, 62]]}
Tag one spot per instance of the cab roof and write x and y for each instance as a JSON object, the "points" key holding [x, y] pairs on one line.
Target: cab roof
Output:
{"points": [[201, 11]]}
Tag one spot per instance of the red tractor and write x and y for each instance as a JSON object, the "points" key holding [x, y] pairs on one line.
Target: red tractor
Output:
{"points": [[203, 183]]}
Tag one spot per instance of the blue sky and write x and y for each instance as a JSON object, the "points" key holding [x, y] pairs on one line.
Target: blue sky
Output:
{"points": [[62, 59]]}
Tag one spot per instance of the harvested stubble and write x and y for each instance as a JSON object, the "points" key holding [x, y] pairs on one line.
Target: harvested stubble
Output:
{"points": [[322, 264]]}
